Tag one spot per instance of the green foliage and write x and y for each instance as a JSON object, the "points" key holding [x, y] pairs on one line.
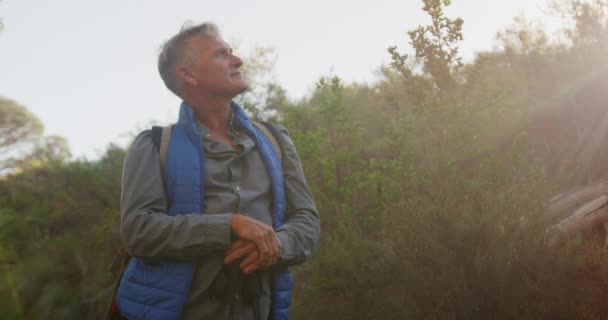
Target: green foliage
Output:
{"points": [[400, 213], [58, 233], [435, 46], [589, 22], [22, 143], [431, 222], [264, 97], [18, 127]]}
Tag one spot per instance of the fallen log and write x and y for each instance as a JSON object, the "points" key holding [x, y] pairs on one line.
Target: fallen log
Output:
{"points": [[564, 204], [585, 218]]}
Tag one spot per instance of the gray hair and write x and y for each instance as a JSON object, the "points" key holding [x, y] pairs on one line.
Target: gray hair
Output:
{"points": [[175, 53]]}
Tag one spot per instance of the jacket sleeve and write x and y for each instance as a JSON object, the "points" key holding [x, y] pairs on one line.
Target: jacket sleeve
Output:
{"points": [[145, 228], [300, 233]]}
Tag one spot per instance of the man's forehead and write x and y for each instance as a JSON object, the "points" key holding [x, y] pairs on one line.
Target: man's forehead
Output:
{"points": [[209, 42]]}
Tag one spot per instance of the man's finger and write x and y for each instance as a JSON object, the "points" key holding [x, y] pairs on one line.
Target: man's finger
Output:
{"points": [[264, 256], [239, 253], [272, 250], [248, 246], [251, 268], [251, 259], [264, 250], [276, 250], [239, 244]]}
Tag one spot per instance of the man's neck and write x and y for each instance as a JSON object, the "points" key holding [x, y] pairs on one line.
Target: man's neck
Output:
{"points": [[213, 114]]}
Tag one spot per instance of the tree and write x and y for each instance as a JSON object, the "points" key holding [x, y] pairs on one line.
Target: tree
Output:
{"points": [[22, 143], [46, 149], [19, 130], [265, 96], [435, 46], [589, 20]]}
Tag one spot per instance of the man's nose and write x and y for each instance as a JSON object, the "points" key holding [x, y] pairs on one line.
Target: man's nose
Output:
{"points": [[236, 61]]}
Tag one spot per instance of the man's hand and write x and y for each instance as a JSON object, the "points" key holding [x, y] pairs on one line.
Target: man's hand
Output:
{"points": [[261, 235], [248, 251], [238, 250]]}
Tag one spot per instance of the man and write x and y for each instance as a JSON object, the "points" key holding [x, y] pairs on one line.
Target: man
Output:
{"points": [[227, 216]]}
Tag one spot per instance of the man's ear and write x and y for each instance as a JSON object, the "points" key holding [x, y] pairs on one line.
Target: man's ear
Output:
{"points": [[186, 76]]}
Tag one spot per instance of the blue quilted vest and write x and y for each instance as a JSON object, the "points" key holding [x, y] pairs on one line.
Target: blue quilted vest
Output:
{"points": [[158, 290]]}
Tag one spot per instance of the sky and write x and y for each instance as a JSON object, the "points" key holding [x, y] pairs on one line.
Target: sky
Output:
{"points": [[87, 68]]}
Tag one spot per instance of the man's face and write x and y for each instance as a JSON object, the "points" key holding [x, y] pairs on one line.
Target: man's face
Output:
{"points": [[215, 67]]}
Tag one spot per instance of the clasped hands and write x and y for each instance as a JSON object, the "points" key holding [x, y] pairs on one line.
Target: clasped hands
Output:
{"points": [[257, 244]]}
